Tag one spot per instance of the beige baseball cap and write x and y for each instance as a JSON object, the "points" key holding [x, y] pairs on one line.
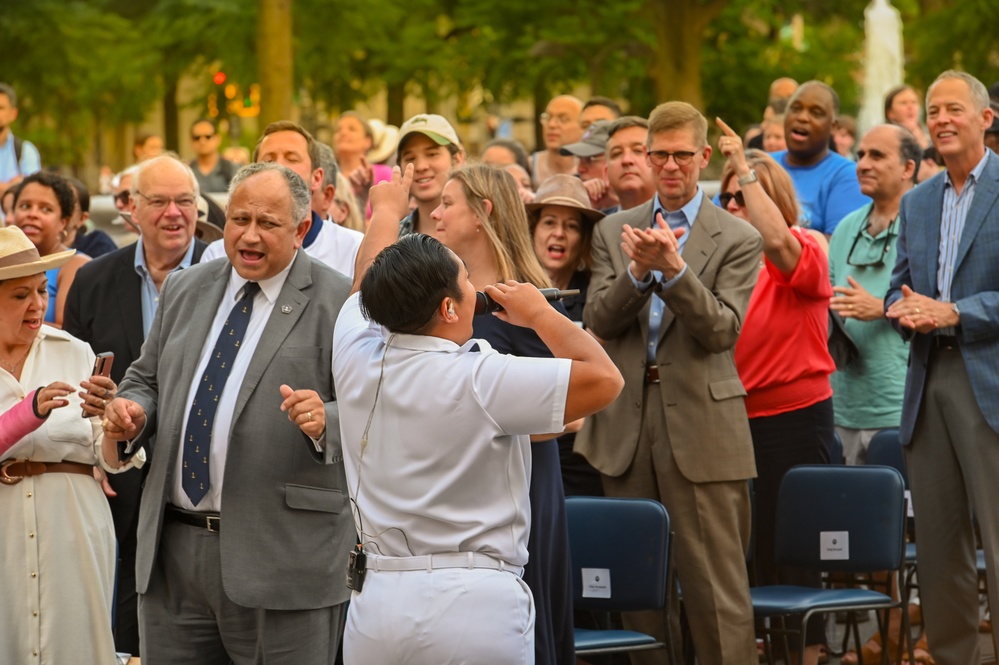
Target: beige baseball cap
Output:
{"points": [[431, 125]]}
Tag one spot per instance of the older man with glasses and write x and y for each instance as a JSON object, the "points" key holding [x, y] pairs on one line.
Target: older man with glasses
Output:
{"points": [[867, 394], [560, 123], [111, 306]]}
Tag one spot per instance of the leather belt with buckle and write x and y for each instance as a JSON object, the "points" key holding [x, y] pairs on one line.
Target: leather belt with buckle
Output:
{"points": [[651, 373], [210, 521], [14, 471], [948, 342]]}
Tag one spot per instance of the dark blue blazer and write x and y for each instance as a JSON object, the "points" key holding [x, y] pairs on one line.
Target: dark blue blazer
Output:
{"points": [[975, 288]]}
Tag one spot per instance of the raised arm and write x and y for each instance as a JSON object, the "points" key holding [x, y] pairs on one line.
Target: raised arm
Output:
{"points": [[389, 203], [594, 381]]}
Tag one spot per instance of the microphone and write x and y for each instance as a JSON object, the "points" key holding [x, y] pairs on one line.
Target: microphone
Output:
{"points": [[484, 304]]}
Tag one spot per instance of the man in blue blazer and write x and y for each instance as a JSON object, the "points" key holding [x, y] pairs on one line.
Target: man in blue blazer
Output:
{"points": [[944, 298]]}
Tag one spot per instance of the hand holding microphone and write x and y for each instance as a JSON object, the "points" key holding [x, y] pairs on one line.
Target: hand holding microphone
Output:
{"points": [[485, 304]]}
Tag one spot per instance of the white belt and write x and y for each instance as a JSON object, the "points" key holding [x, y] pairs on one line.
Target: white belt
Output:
{"points": [[430, 562]]}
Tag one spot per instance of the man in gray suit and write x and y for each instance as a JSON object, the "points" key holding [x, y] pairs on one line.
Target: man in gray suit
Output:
{"points": [[944, 298], [679, 432], [244, 525]]}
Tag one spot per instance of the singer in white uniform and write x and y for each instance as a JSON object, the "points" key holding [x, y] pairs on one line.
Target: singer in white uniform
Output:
{"points": [[436, 439]]}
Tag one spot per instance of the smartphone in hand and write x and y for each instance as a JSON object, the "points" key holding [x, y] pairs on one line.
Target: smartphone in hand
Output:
{"points": [[102, 367]]}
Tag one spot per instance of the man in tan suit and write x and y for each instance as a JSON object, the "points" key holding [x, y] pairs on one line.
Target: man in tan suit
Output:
{"points": [[671, 282]]}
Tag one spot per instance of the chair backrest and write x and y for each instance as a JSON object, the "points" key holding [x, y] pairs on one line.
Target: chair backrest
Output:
{"points": [[885, 449], [623, 542], [841, 518]]}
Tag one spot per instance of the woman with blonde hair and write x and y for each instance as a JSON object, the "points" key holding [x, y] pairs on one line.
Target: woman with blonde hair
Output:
{"points": [[481, 219], [344, 209]]}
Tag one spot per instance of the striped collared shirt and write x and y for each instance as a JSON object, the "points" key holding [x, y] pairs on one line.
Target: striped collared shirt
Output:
{"points": [[952, 218]]}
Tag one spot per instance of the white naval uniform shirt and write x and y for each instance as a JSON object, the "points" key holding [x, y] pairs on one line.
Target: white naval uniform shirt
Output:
{"points": [[448, 460]]}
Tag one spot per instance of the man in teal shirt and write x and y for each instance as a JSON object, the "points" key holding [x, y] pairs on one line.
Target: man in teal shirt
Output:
{"points": [[867, 394]]}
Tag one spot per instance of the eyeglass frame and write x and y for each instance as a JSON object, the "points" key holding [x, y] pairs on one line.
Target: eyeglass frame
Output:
{"points": [[167, 200], [680, 157], [123, 197], [889, 233], [561, 119]]}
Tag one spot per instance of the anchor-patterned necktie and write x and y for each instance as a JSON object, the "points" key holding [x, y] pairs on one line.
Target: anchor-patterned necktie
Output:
{"points": [[198, 438]]}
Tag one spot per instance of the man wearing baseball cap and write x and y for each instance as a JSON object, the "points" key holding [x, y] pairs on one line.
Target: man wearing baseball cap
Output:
{"points": [[592, 167], [430, 144]]}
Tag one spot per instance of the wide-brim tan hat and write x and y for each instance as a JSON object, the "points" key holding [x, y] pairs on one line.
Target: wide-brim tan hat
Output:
{"points": [[564, 190], [386, 137], [19, 257]]}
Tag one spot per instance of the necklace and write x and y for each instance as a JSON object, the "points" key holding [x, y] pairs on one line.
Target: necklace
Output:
{"points": [[10, 367]]}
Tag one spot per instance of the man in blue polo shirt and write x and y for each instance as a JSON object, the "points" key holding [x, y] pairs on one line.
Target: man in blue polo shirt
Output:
{"points": [[826, 182], [17, 158]]}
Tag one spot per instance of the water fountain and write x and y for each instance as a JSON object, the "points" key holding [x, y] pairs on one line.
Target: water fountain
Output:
{"points": [[883, 61]]}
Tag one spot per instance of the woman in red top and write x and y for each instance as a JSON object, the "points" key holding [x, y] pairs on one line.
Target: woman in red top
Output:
{"points": [[782, 354]]}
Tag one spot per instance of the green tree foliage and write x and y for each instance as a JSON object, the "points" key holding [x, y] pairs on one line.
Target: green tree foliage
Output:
{"points": [[959, 34], [75, 66]]}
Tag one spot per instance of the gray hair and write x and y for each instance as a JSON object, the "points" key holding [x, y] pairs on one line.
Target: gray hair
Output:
{"points": [[979, 93], [909, 149], [301, 197], [327, 162], [141, 168]]}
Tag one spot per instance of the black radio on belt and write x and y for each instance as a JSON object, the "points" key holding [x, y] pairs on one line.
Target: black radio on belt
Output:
{"points": [[356, 568]]}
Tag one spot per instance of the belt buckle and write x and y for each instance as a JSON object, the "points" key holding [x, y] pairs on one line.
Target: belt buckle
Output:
{"points": [[213, 526], [5, 477]]}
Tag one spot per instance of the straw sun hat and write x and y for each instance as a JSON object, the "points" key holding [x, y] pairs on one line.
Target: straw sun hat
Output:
{"points": [[19, 257]]}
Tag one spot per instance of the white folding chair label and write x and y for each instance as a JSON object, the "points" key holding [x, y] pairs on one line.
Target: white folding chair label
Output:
{"points": [[834, 545], [596, 583], [908, 501]]}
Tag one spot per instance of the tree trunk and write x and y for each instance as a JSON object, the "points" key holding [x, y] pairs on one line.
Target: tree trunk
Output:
{"points": [[676, 65], [395, 97], [171, 116], [274, 60]]}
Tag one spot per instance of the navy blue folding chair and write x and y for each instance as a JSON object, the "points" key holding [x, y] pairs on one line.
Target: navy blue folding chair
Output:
{"points": [[620, 550], [836, 519]]}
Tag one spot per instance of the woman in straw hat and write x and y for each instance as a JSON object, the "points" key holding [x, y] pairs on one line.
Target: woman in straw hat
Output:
{"points": [[482, 219], [58, 549]]}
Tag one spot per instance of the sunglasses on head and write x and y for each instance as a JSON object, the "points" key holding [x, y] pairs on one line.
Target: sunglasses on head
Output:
{"points": [[726, 197]]}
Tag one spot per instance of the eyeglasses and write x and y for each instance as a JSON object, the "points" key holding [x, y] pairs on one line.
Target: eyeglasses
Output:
{"points": [[560, 119], [590, 161], [184, 201], [661, 157], [202, 137], [123, 197], [880, 261], [726, 197]]}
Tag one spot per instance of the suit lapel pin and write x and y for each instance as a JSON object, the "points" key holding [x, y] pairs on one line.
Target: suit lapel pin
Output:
{"points": [[286, 309]]}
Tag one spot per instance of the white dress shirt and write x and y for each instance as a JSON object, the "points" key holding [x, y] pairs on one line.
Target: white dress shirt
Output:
{"points": [[447, 463], [263, 305]]}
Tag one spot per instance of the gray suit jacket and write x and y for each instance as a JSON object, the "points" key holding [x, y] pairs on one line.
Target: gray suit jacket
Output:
{"points": [[702, 395], [975, 288], [286, 524]]}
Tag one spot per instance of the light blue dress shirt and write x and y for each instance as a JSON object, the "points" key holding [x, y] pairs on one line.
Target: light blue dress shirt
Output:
{"points": [[150, 294], [680, 219]]}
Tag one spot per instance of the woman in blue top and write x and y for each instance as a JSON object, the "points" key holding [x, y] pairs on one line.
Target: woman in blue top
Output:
{"points": [[43, 206], [482, 219]]}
